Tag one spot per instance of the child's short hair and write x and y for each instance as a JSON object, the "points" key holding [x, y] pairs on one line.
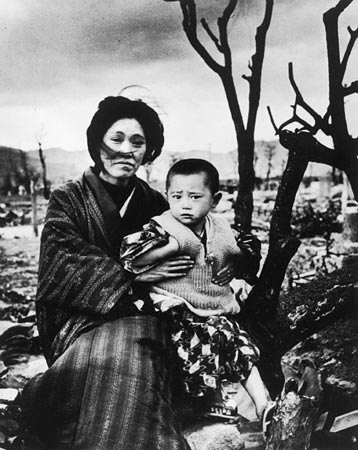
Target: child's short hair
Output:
{"points": [[192, 166]]}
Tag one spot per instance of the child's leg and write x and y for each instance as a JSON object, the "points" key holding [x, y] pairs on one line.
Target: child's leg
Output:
{"points": [[196, 357], [256, 390]]}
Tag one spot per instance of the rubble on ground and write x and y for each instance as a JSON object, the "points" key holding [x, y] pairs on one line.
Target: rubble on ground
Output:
{"points": [[333, 350]]}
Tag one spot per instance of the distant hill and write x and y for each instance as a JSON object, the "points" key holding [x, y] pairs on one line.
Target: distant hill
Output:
{"points": [[63, 165]]}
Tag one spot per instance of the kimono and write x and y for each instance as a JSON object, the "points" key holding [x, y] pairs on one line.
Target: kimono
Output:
{"points": [[109, 383]]}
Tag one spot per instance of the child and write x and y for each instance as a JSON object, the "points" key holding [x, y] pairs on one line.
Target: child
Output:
{"points": [[210, 343]]}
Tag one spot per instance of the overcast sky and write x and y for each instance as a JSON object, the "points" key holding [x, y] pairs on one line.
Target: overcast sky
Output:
{"points": [[60, 58]]}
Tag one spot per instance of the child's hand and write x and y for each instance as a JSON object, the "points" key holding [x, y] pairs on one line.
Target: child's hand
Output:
{"points": [[225, 275]]}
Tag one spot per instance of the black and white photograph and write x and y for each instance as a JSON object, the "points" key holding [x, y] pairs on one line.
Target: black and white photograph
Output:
{"points": [[179, 225]]}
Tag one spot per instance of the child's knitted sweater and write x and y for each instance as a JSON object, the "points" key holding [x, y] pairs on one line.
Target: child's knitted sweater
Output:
{"points": [[196, 287]]}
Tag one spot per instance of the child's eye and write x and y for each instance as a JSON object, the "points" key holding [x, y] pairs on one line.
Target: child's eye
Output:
{"points": [[196, 197], [176, 196]]}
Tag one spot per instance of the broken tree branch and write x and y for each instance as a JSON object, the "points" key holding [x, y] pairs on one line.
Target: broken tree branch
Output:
{"points": [[211, 35], [256, 66], [190, 27], [272, 120], [222, 25], [336, 95], [319, 121], [347, 53], [351, 89], [224, 71]]}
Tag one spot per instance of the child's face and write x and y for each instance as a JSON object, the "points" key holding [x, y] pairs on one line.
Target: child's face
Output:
{"points": [[190, 199]]}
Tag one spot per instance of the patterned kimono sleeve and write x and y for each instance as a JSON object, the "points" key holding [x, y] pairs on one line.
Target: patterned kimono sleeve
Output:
{"points": [[136, 244], [75, 273], [248, 263]]}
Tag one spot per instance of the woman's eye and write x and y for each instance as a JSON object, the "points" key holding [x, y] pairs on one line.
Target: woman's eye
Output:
{"points": [[138, 143]]}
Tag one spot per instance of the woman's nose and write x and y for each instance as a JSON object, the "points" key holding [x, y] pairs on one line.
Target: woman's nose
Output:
{"points": [[126, 148]]}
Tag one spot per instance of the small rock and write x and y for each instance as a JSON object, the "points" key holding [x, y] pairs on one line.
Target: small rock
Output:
{"points": [[19, 374], [8, 395], [227, 440], [348, 386], [215, 436]]}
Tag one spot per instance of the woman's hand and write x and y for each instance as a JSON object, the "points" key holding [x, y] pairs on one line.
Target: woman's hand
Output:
{"points": [[225, 275], [172, 268]]}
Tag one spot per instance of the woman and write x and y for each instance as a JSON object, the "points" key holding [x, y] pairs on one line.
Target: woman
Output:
{"points": [[108, 385]]}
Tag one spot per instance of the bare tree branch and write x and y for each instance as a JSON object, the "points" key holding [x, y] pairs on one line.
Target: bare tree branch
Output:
{"points": [[272, 120], [222, 25], [339, 8], [351, 89], [190, 27], [320, 123], [212, 36], [224, 71], [335, 74], [327, 115], [248, 77], [256, 66], [347, 53]]}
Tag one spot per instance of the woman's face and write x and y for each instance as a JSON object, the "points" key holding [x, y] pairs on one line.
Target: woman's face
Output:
{"points": [[128, 144]]}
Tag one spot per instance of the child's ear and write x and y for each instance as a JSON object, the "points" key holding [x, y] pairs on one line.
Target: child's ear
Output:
{"points": [[216, 198]]}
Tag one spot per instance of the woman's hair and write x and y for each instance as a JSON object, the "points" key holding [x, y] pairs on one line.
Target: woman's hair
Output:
{"points": [[193, 166], [112, 109]]}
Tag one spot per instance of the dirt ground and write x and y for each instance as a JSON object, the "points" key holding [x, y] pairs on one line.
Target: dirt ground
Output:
{"points": [[335, 350]]}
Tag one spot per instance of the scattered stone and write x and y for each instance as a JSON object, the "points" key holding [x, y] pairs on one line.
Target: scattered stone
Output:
{"points": [[227, 440], [8, 395], [214, 436], [19, 374], [345, 421], [348, 386]]}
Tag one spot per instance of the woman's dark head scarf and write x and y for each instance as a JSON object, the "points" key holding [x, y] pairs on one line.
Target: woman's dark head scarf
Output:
{"points": [[112, 109]]}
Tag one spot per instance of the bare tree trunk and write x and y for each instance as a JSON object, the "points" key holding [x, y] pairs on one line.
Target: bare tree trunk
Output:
{"points": [[244, 131], [44, 173], [25, 166], [244, 204], [34, 208], [270, 150]]}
